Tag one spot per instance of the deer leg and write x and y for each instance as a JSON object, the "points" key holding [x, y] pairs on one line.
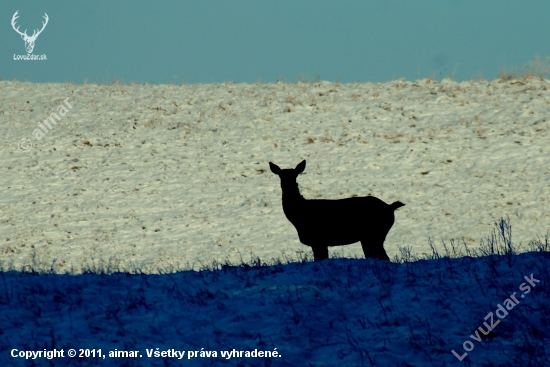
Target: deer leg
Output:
{"points": [[320, 253], [374, 248]]}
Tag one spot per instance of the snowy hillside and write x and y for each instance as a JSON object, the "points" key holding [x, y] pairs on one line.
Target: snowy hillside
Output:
{"points": [[167, 177], [114, 196]]}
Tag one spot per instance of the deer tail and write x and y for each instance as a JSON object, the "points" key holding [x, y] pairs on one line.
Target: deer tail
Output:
{"points": [[396, 205]]}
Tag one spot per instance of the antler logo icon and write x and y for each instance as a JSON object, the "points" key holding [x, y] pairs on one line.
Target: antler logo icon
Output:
{"points": [[29, 41]]}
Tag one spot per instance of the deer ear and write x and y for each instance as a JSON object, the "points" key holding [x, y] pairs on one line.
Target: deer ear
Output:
{"points": [[274, 168], [300, 167]]}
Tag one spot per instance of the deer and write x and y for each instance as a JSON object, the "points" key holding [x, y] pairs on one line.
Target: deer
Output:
{"points": [[29, 41], [322, 223]]}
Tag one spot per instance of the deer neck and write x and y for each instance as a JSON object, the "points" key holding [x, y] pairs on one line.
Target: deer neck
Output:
{"points": [[291, 193], [292, 201]]}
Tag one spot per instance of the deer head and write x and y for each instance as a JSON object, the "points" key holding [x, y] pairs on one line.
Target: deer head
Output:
{"points": [[29, 41]]}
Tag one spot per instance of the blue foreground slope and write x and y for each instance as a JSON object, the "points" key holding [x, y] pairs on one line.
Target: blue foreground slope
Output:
{"points": [[340, 312]]}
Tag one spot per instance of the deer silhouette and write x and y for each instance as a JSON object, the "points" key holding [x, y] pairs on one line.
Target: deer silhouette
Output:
{"points": [[324, 223]]}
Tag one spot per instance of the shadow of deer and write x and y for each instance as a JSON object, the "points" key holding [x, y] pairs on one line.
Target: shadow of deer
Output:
{"points": [[324, 223]]}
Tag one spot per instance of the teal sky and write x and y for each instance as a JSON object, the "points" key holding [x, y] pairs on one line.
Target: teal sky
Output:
{"points": [[245, 41]]}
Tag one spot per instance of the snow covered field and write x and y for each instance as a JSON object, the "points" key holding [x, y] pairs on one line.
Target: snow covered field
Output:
{"points": [[167, 177], [152, 179]]}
